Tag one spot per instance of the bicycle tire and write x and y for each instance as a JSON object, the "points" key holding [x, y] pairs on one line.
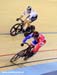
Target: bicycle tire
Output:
{"points": [[17, 56], [17, 28]]}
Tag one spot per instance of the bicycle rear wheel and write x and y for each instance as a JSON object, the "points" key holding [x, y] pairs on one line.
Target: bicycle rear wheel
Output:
{"points": [[15, 29]]}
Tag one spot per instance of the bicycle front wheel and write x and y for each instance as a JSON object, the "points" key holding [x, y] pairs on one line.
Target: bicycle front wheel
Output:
{"points": [[15, 29], [18, 58]]}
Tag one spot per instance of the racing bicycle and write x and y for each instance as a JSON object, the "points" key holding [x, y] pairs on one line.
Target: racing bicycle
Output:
{"points": [[23, 54], [19, 28]]}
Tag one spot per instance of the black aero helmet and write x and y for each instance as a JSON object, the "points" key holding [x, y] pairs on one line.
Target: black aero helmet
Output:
{"points": [[29, 8], [35, 34]]}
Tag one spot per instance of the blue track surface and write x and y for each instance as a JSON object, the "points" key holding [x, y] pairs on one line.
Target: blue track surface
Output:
{"points": [[40, 69]]}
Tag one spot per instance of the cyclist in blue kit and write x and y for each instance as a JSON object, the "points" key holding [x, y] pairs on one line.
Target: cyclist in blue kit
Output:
{"points": [[38, 41]]}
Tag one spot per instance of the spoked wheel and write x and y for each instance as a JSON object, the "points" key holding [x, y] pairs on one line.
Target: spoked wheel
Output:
{"points": [[16, 58], [15, 29]]}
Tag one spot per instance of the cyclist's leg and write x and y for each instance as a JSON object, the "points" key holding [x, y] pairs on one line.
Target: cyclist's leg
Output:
{"points": [[29, 53], [33, 51], [27, 21], [30, 20], [26, 51]]}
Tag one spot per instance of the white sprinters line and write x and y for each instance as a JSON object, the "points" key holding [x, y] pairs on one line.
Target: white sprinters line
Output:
{"points": [[14, 72]]}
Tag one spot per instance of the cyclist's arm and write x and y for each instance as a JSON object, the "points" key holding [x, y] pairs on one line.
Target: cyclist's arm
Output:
{"points": [[28, 37], [28, 16]]}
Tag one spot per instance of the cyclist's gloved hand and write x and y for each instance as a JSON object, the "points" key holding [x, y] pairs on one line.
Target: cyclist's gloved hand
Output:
{"points": [[17, 19], [22, 44]]}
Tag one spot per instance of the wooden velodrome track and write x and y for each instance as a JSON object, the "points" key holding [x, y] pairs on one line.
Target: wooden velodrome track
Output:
{"points": [[46, 23]]}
